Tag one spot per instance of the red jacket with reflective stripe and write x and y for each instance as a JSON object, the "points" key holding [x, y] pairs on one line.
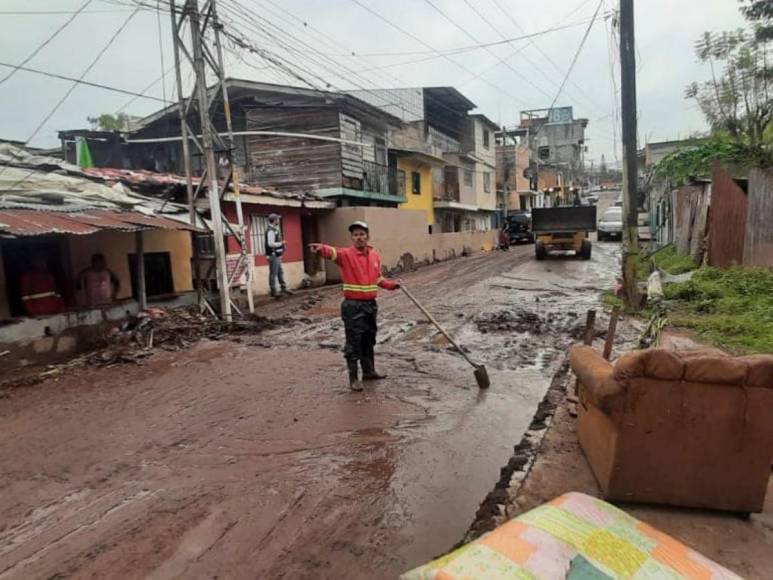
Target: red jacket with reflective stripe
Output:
{"points": [[360, 271]]}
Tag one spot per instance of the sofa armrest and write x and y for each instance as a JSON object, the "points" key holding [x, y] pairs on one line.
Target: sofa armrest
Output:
{"points": [[596, 375]]}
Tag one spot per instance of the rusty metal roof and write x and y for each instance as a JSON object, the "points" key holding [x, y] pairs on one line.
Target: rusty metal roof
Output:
{"points": [[21, 222]]}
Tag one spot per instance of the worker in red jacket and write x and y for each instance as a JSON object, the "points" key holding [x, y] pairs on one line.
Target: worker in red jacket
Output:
{"points": [[360, 267], [39, 293]]}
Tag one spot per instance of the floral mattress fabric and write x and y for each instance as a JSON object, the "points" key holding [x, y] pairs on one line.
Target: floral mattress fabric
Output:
{"points": [[577, 537]]}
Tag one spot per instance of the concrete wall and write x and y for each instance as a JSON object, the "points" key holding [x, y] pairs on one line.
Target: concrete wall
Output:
{"points": [[424, 200], [400, 236], [116, 246], [294, 275]]}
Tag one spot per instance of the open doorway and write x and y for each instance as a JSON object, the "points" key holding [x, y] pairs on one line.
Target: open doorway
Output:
{"points": [[19, 254]]}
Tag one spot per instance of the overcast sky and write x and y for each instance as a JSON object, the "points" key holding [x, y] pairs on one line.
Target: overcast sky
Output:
{"points": [[666, 31]]}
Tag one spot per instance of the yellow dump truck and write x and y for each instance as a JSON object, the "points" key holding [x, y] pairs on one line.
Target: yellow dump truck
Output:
{"points": [[563, 229]]}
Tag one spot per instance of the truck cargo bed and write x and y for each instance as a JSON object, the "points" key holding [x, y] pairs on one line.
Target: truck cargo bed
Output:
{"points": [[564, 220]]}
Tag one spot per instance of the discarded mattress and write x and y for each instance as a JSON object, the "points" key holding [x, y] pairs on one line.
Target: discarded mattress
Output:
{"points": [[577, 537]]}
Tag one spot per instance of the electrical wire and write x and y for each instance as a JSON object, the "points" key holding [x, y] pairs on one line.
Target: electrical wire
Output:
{"points": [[84, 83], [161, 49], [574, 62], [546, 56], [422, 42], [487, 49], [46, 42], [69, 91]]}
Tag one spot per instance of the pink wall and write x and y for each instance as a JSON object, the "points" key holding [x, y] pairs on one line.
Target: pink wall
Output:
{"points": [[291, 228]]}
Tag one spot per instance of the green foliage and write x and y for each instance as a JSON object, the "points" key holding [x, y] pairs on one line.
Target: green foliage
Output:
{"points": [[108, 122], [731, 308], [736, 101], [761, 13], [672, 262], [696, 160]]}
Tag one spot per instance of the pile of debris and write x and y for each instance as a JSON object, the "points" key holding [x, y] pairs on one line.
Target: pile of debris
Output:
{"points": [[172, 330], [511, 321]]}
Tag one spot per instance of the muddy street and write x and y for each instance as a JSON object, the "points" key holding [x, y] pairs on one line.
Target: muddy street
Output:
{"points": [[252, 459]]}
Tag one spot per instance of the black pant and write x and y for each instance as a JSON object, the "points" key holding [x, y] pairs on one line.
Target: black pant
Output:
{"points": [[359, 318]]}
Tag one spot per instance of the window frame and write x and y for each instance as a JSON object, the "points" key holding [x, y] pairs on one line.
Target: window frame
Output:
{"points": [[486, 139], [467, 178], [415, 183], [487, 182]]}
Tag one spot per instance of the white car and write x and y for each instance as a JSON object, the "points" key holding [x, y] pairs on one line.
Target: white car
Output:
{"points": [[611, 224]]}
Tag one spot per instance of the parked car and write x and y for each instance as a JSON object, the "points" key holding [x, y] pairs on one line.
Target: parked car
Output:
{"points": [[611, 224], [520, 227]]}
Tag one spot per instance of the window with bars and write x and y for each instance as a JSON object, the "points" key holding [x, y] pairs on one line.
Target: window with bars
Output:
{"points": [[468, 178], [401, 183], [258, 228]]}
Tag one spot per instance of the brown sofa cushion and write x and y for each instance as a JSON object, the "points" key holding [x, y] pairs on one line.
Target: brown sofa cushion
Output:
{"points": [[663, 364], [715, 370], [759, 370]]}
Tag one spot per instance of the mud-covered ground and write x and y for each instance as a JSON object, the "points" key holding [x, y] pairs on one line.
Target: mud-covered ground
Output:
{"points": [[252, 459]]}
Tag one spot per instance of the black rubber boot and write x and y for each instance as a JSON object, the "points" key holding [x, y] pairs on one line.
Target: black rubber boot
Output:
{"points": [[369, 367], [354, 380]]}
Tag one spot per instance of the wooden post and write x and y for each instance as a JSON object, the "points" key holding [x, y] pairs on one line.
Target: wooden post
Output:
{"points": [[611, 332], [630, 153], [590, 324], [142, 297]]}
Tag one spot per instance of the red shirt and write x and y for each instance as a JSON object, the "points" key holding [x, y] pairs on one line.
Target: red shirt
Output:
{"points": [[39, 294], [360, 271]]}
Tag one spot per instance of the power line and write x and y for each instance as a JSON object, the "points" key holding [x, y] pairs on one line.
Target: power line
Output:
{"points": [[422, 42], [82, 82], [46, 42], [69, 91], [161, 49], [542, 52], [576, 56]]}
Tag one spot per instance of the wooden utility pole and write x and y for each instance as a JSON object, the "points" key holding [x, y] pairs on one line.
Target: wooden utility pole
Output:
{"points": [[204, 24], [630, 153]]}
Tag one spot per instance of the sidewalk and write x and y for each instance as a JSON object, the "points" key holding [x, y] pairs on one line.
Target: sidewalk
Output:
{"points": [[742, 545]]}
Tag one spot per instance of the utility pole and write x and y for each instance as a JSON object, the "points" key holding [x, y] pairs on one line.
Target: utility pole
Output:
{"points": [[630, 153], [202, 59]]}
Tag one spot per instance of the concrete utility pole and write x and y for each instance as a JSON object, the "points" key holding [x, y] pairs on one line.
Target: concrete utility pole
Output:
{"points": [[201, 58], [630, 152]]}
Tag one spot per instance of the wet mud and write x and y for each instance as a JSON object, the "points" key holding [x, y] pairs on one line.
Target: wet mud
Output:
{"points": [[253, 459]]}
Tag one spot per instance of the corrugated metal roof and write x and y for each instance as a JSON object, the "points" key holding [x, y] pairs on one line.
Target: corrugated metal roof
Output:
{"points": [[22, 223]]}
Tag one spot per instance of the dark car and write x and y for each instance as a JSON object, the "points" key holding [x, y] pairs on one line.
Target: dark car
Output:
{"points": [[519, 223]]}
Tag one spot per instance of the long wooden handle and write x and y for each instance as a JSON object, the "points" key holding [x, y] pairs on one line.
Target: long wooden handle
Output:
{"points": [[437, 325]]}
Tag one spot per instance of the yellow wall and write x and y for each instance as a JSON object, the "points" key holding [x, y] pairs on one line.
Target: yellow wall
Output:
{"points": [[423, 201], [116, 246]]}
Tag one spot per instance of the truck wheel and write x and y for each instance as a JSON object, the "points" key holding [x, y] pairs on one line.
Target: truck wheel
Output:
{"points": [[601, 236], [585, 250], [539, 251]]}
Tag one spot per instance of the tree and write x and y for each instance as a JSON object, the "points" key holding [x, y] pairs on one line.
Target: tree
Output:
{"points": [[108, 122], [737, 100], [759, 12]]}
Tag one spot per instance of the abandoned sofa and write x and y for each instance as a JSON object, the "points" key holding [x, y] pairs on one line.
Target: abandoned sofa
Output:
{"points": [[678, 428], [577, 537]]}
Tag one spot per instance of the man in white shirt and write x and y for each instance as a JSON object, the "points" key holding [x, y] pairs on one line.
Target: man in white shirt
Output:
{"points": [[275, 247]]}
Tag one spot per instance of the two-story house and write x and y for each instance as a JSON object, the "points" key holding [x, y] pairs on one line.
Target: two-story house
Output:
{"points": [[442, 144]]}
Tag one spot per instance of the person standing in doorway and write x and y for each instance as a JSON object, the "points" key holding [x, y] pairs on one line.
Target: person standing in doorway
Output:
{"points": [[360, 267], [98, 283], [275, 248], [39, 293]]}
